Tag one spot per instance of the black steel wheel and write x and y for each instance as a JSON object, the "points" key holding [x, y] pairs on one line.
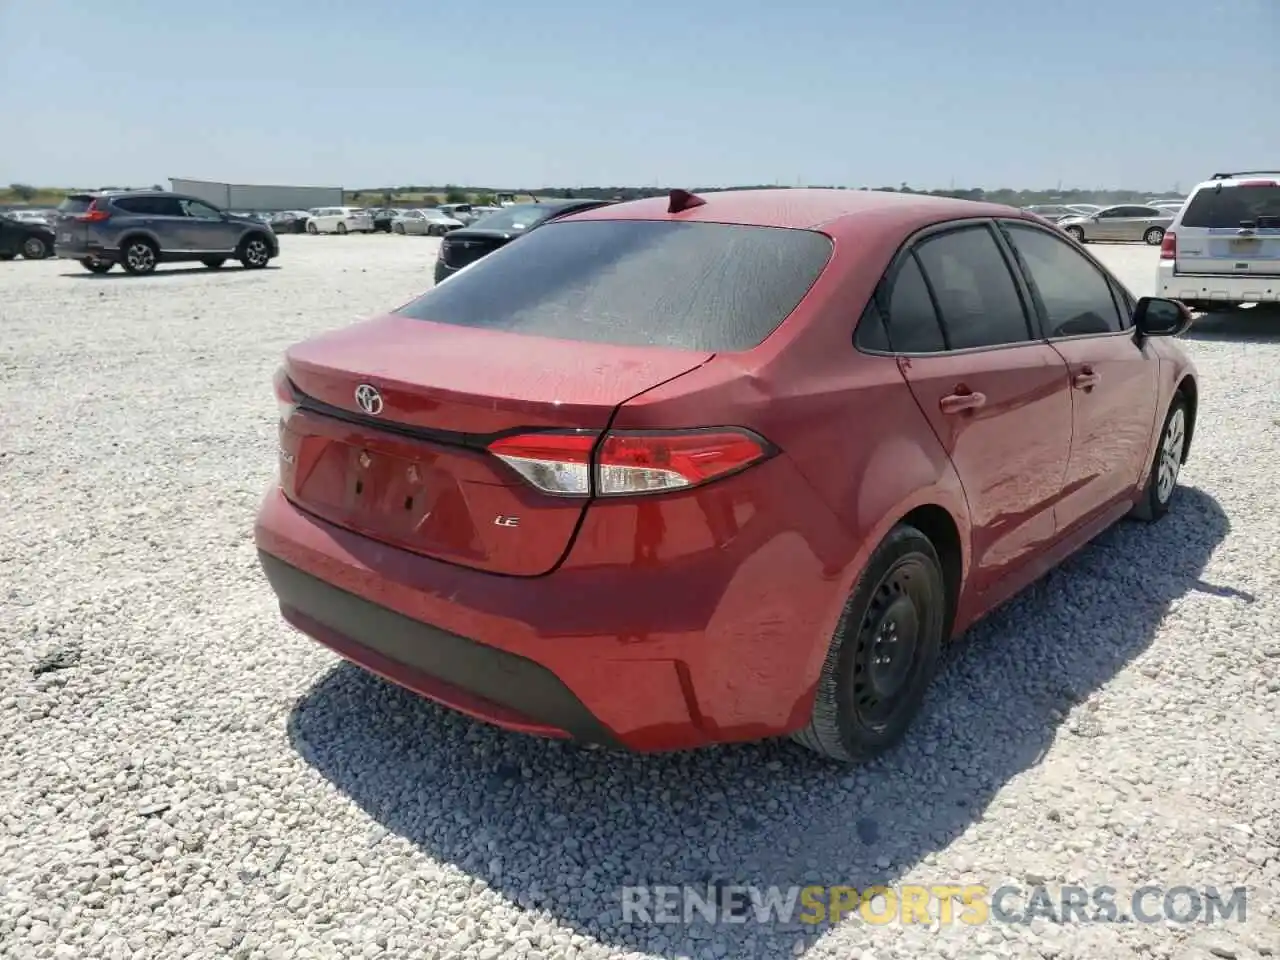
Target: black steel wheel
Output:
{"points": [[884, 651]]}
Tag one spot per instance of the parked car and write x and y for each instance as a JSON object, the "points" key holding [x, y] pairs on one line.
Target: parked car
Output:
{"points": [[1124, 221], [339, 220], [426, 222], [467, 245], [1052, 212], [32, 216], [383, 217], [30, 239], [290, 221], [1223, 247], [689, 470], [459, 211], [144, 228]]}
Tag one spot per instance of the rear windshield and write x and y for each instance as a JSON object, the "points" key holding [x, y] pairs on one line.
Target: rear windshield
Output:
{"points": [[74, 204], [696, 286], [1223, 207]]}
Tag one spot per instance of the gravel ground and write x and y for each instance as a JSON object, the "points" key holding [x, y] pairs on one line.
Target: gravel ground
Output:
{"points": [[185, 777]]}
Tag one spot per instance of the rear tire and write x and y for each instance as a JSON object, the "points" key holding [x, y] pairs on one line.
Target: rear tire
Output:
{"points": [[35, 248], [1154, 237], [312, 229], [1171, 450], [884, 652], [7, 256], [140, 257], [97, 266], [398, 228], [214, 263]]}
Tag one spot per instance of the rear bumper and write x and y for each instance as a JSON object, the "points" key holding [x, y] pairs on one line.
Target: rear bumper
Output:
{"points": [[482, 681], [725, 644], [1226, 288]]}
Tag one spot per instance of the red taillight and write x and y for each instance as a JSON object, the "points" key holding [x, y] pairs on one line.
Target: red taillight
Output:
{"points": [[94, 214], [1257, 183], [629, 462], [1169, 247]]}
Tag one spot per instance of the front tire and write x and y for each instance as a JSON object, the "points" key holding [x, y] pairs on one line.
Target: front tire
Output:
{"points": [[312, 229], [1171, 450], [140, 257], [1154, 237], [254, 253], [884, 652], [1075, 233], [342, 229], [398, 228], [34, 248]]}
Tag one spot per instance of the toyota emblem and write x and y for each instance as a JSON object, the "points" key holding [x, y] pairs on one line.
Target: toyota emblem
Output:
{"points": [[369, 398]]}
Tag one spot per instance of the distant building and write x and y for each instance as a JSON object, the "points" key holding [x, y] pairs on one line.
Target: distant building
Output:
{"points": [[258, 197]]}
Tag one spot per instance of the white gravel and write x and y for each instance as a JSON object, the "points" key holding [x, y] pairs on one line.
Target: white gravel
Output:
{"points": [[185, 777]]}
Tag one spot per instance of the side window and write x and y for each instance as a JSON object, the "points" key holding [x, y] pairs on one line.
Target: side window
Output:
{"points": [[913, 323], [166, 206], [1076, 296], [137, 205], [871, 333], [1109, 213], [199, 210], [974, 289]]}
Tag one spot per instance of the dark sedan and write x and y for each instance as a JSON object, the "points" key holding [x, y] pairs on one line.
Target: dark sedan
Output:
{"points": [[32, 239], [466, 246]]}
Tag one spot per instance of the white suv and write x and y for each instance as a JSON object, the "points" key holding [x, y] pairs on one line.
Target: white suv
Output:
{"points": [[1223, 247], [339, 220]]}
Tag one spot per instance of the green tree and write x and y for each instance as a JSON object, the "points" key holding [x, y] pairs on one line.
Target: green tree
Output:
{"points": [[430, 200], [486, 200], [453, 194], [23, 191]]}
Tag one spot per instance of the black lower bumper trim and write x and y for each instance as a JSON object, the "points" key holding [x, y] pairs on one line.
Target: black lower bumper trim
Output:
{"points": [[502, 678]]}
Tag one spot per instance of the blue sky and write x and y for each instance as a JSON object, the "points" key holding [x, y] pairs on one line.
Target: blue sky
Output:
{"points": [[1116, 93]]}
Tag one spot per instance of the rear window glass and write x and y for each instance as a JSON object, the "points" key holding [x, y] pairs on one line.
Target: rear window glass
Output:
{"points": [[1227, 207], [696, 286], [73, 205]]}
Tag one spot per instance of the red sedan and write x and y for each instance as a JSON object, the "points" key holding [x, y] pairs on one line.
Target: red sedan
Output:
{"points": [[691, 470]]}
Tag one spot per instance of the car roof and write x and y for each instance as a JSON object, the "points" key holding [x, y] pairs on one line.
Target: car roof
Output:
{"points": [[808, 209]]}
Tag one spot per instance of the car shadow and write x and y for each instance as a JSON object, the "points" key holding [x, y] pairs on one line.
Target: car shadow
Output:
{"points": [[161, 272], [1257, 324], [562, 828]]}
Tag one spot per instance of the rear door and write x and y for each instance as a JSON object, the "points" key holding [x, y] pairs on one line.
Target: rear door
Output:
{"points": [[1114, 381], [1231, 228], [997, 397]]}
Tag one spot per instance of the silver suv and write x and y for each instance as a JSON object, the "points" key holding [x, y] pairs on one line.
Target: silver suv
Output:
{"points": [[142, 229], [1223, 247]]}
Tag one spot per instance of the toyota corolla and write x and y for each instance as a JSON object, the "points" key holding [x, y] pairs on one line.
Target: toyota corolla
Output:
{"points": [[691, 470]]}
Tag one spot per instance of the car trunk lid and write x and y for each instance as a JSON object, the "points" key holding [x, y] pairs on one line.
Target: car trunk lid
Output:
{"points": [[411, 469]]}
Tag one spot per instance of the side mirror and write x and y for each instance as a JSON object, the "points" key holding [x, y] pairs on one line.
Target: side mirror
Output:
{"points": [[1160, 317]]}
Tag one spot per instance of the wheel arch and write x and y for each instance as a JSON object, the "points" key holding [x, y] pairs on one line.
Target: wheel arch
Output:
{"points": [[937, 523], [1188, 387], [139, 234]]}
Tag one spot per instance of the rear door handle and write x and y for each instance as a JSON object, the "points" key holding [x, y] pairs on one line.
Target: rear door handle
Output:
{"points": [[960, 402], [1085, 380]]}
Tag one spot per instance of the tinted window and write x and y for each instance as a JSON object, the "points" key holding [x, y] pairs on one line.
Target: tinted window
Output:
{"points": [[70, 206], [975, 291], [1076, 296], [913, 323], [699, 286], [1227, 207], [514, 219], [871, 333]]}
